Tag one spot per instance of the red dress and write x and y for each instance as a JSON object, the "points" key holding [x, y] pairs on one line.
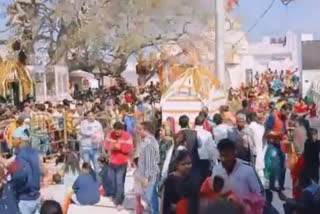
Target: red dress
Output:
{"points": [[300, 108], [182, 206]]}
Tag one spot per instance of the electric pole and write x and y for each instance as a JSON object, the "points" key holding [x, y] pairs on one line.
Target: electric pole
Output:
{"points": [[219, 40]]}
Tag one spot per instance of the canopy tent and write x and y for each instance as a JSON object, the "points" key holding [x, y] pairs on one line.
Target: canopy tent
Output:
{"points": [[14, 71]]}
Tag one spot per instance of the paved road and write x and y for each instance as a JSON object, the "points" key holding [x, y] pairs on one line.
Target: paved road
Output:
{"points": [[107, 206]]}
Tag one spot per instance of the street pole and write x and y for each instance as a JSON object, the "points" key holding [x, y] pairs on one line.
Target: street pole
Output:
{"points": [[219, 40]]}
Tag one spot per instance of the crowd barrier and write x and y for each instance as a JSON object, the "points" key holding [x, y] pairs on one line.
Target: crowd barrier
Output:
{"points": [[63, 131]]}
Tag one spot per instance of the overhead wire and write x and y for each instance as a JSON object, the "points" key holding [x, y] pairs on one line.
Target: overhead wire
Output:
{"points": [[284, 2], [265, 12]]}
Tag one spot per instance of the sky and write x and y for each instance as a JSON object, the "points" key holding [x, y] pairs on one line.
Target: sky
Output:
{"points": [[300, 16]]}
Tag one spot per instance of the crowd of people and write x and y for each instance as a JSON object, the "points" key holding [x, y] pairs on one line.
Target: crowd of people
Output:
{"points": [[231, 162]]}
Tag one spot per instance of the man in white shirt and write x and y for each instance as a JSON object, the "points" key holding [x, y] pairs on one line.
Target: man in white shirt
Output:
{"points": [[221, 130], [206, 144], [206, 147], [239, 177], [257, 131]]}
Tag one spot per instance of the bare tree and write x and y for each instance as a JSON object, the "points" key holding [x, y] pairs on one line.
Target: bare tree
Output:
{"points": [[88, 34]]}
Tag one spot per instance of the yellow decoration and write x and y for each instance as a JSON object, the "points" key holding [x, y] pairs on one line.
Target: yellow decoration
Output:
{"points": [[202, 81], [14, 71]]}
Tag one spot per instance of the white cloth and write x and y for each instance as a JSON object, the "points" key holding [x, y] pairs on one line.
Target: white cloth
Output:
{"points": [[206, 146], [242, 181], [221, 132], [91, 134], [166, 163], [257, 132]]}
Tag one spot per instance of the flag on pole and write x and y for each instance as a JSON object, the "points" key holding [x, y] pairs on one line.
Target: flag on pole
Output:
{"points": [[231, 4]]}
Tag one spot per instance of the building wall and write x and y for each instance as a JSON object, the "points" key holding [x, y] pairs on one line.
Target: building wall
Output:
{"points": [[275, 53], [309, 78]]}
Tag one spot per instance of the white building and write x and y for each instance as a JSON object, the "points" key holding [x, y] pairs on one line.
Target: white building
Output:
{"points": [[275, 53]]}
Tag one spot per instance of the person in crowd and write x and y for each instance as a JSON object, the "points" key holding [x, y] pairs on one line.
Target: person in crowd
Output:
{"points": [[91, 133], [168, 165], [300, 107], [71, 168], [276, 130], [200, 168], [205, 113], [308, 202], [206, 149], [41, 128], [140, 183], [312, 108], [165, 142], [13, 125], [149, 159], [86, 187], [191, 138], [119, 144], [58, 118], [129, 117], [222, 128], [8, 200], [257, 130], [26, 179], [50, 207], [311, 156], [227, 115], [245, 108], [105, 175], [69, 114], [299, 138], [26, 111], [102, 115], [176, 184], [242, 136], [239, 177]]}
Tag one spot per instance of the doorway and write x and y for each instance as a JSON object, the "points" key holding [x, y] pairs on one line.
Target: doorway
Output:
{"points": [[15, 92]]}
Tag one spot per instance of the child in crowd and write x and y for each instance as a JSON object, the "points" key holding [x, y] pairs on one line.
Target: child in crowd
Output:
{"points": [[211, 191], [140, 184], [71, 169], [86, 187], [50, 207]]}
